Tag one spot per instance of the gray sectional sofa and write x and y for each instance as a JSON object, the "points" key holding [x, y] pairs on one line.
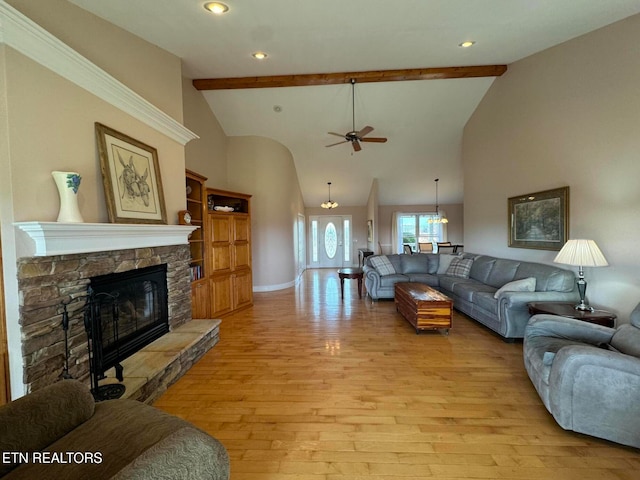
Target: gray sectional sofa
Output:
{"points": [[507, 314]]}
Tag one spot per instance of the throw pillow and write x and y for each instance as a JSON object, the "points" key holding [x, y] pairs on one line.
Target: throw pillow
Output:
{"points": [[524, 285], [460, 267], [382, 264], [444, 260]]}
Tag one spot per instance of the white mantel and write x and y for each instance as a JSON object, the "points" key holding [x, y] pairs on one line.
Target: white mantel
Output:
{"points": [[44, 239]]}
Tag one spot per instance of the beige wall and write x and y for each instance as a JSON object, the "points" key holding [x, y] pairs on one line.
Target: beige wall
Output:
{"points": [[51, 125], [372, 215], [142, 66], [55, 131], [264, 168], [206, 155], [566, 116], [47, 123]]}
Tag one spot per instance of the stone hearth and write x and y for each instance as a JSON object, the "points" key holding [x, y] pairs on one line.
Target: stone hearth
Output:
{"points": [[149, 372]]}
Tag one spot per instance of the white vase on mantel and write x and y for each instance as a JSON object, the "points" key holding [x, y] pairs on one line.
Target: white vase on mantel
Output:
{"points": [[68, 184]]}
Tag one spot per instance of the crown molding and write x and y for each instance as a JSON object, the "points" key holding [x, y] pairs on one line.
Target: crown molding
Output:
{"points": [[30, 39]]}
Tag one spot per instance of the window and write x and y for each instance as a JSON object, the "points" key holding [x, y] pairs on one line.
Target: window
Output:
{"points": [[414, 228], [314, 240], [347, 240], [330, 240]]}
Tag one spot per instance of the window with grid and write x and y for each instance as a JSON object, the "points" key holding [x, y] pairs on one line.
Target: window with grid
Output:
{"points": [[414, 228]]}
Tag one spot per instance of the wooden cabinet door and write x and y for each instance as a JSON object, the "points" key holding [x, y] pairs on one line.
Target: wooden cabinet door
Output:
{"points": [[220, 228], [200, 299], [243, 289], [241, 243], [221, 245], [221, 295]]}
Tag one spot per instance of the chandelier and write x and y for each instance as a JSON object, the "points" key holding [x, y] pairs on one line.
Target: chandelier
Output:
{"points": [[329, 203], [438, 218]]}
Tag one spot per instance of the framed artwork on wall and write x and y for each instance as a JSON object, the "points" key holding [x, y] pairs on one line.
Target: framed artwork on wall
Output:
{"points": [[539, 220], [370, 230], [131, 178]]}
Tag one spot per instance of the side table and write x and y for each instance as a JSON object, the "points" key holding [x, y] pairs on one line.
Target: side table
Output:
{"points": [[567, 309], [351, 272]]}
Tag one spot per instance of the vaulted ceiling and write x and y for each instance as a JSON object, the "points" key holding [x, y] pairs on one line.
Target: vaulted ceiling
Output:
{"points": [[422, 119]]}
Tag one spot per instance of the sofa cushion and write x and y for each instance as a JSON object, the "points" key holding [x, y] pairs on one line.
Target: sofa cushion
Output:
{"points": [[391, 280], [627, 340], [460, 267], [524, 285], [121, 430], [549, 278], [503, 272], [482, 265], [541, 352], [444, 260], [382, 264], [448, 283], [635, 316], [50, 413], [485, 301], [426, 278], [414, 264], [468, 289]]}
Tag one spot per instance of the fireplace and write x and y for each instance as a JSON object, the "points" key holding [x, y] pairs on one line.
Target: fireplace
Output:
{"points": [[125, 312], [45, 282]]}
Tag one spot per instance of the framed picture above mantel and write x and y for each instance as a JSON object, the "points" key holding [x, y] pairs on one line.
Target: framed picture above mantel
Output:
{"points": [[131, 178], [539, 220]]}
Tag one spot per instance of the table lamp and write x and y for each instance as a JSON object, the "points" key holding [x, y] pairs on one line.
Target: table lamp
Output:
{"points": [[581, 253]]}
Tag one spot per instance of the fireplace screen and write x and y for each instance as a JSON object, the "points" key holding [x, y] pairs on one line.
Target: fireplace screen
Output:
{"points": [[125, 312]]}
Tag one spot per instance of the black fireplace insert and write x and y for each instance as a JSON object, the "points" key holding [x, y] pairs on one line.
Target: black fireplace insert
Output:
{"points": [[125, 312]]}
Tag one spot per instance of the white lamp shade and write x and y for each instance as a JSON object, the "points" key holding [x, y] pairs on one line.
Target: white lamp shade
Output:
{"points": [[582, 253]]}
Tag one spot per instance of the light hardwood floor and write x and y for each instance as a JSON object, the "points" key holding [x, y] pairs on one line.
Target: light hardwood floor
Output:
{"points": [[305, 386]]}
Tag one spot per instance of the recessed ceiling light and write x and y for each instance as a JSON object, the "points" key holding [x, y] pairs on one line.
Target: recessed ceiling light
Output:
{"points": [[216, 7], [277, 108], [467, 44], [259, 55]]}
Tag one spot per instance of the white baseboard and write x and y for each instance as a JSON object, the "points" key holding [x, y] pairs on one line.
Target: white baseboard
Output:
{"points": [[271, 288]]}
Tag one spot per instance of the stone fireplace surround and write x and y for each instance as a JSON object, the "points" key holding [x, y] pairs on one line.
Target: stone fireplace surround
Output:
{"points": [[53, 275]]}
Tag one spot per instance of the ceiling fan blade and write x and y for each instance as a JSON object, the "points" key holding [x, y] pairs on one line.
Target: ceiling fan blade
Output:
{"points": [[365, 131], [344, 141], [374, 139], [336, 134], [356, 145]]}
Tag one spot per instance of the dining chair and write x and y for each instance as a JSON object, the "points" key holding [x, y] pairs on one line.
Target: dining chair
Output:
{"points": [[425, 247]]}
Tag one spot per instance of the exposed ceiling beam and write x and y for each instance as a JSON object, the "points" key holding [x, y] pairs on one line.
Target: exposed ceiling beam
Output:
{"points": [[345, 77]]}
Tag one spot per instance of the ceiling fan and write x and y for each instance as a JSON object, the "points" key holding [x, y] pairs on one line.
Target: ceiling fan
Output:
{"points": [[355, 137]]}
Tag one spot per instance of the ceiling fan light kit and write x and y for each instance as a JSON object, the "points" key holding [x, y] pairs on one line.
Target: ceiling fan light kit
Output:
{"points": [[355, 136]]}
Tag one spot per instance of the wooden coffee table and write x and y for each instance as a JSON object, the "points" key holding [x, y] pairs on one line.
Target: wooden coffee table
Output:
{"points": [[424, 307]]}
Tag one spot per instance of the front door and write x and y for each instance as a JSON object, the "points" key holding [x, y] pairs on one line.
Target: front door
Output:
{"points": [[330, 242]]}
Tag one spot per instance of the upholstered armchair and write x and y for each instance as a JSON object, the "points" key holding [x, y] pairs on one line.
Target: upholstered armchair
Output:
{"points": [[588, 376]]}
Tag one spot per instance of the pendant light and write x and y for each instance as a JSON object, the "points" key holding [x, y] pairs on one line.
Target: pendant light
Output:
{"points": [[329, 203], [438, 218]]}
